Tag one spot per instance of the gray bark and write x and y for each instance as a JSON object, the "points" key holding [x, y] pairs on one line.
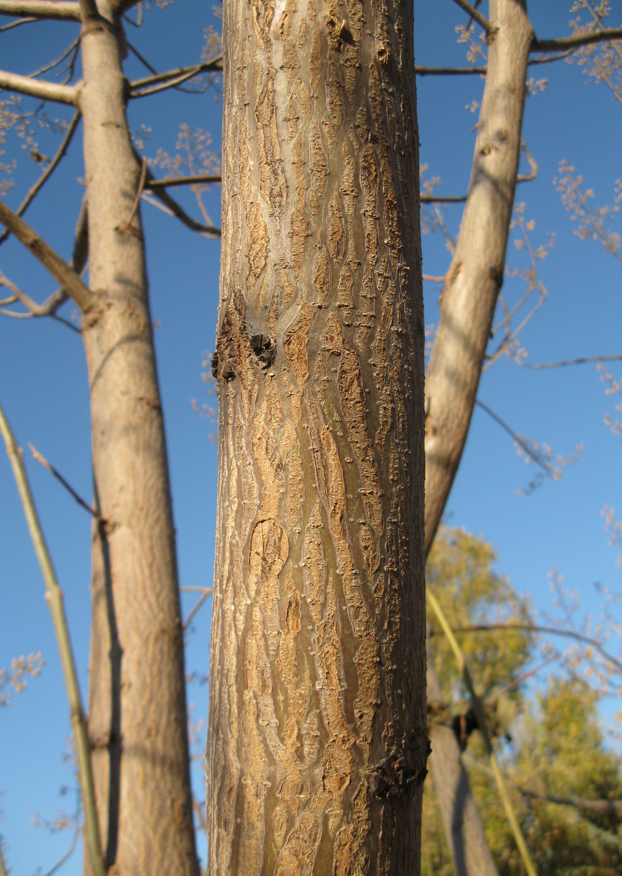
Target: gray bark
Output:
{"points": [[137, 708], [468, 303]]}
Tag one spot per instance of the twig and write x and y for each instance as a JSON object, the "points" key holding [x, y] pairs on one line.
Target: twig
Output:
{"points": [[576, 41], [481, 721], [450, 71], [430, 279], [188, 72], [603, 806], [171, 81], [435, 199], [154, 184], [62, 149], [537, 628], [583, 361], [54, 599], [476, 16], [65, 484], [8, 27], [58, 61], [533, 164], [177, 210], [68, 854], [207, 591], [520, 441]]}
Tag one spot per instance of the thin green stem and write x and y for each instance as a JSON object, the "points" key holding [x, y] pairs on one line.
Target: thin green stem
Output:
{"points": [[54, 599], [481, 721]]}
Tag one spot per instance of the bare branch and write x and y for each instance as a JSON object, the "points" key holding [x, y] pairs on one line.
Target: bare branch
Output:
{"points": [[430, 279], [65, 484], [520, 441], [43, 90], [137, 54], [435, 199], [533, 164], [602, 806], [178, 211], [580, 803], [64, 274], [62, 149], [476, 16], [71, 48], [575, 42], [63, 9], [216, 64], [4, 27], [450, 71], [183, 181], [585, 360], [481, 71], [172, 79], [207, 591], [537, 628]]}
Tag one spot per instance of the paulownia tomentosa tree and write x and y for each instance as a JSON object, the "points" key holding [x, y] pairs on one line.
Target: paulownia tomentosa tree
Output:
{"points": [[317, 737]]}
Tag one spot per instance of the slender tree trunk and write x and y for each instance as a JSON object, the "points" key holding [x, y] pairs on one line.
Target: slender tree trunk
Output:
{"points": [[317, 735], [137, 708], [468, 303]]}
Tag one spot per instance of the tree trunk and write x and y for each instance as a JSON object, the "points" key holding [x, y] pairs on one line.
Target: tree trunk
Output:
{"points": [[137, 708], [317, 735], [468, 303]]}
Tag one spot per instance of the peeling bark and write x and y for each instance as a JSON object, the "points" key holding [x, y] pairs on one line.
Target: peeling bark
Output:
{"points": [[317, 736], [468, 301]]}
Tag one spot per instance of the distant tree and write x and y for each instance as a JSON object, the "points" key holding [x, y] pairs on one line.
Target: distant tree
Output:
{"points": [[566, 785], [137, 706]]}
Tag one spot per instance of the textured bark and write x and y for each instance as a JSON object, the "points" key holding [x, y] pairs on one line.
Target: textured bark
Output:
{"points": [[137, 708], [317, 736], [468, 303]]}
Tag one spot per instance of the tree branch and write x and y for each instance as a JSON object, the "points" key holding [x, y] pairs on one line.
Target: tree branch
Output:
{"points": [[65, 483], [475, 15], [48, 171], [44, 90], [435, 199], [49, 258], [576, 41], [537, 628], [183, 181], [9, 26], [520, 441], [172, 78], [582, 361], [580, 803], [450, 71], [61, 9], [175, 208], [216, 64]]}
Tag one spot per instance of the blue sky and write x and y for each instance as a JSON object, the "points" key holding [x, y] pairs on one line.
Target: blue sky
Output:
{"points": [[44, 391]]}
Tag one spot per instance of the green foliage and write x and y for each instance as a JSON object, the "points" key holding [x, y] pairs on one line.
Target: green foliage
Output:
{"points": [[557, 750], [470, 593]]}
